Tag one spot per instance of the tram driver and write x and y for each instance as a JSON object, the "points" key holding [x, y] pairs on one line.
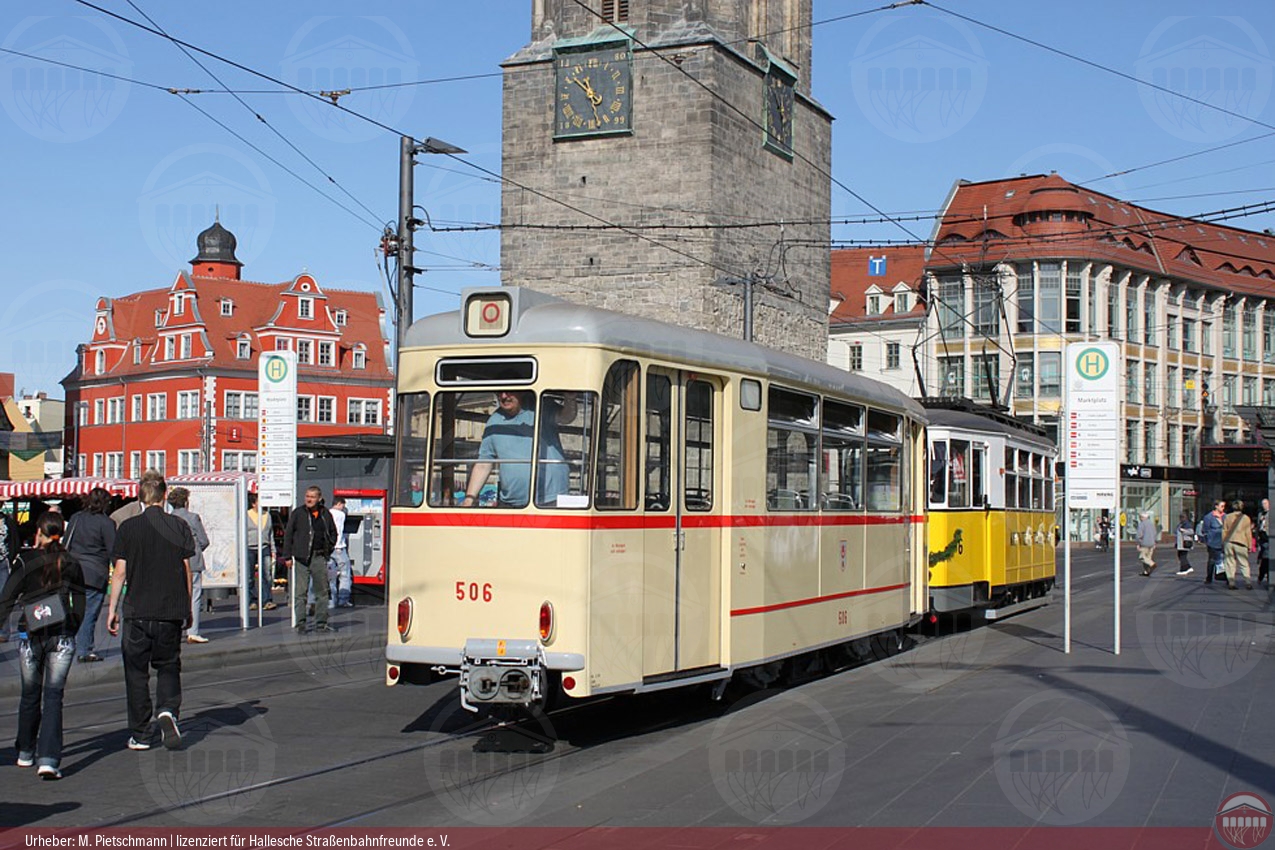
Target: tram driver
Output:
{"points": [[507, 440]]}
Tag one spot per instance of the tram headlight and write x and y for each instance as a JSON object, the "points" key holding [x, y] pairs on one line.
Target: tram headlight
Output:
{"points": [[404, 616], [546, 621]]}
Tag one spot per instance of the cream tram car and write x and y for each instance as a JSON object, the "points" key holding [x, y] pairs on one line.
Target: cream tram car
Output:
{"points": [[589, 503], [991, 511]]}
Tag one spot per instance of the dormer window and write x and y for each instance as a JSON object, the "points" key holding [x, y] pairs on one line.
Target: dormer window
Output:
{"points": [[340, 318], [874, 305], [99, 364], [170, 347], [227, 307], [179, 305], [305, 308], [360, 357], [185, 346], [159, 318], [901, 302], [137, 352], [243, 348]]}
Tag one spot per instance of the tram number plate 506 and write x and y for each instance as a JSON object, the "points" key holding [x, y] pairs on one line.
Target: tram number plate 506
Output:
{"points": [[473, 591]]}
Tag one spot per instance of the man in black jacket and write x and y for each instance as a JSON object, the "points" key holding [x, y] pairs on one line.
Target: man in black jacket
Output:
{"points": [[308, 541]]}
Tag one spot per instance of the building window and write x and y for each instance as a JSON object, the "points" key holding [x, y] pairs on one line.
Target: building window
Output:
{"points": [[188, 461], [856, 356], [1248, 335], [1131, 375], [1149, 446], [1268, 333], [952, 376], [892, 355], [243, 348], [305, 408], [901, 302], [1050, 374], [1188, 447], [1249, 390], [137, 408], [1171, 445], [114, 464], [1148, 318], [188, 404], [874, 305], [81, 465], [340, 318], [615, 11], [986, 317], [1228, 330], [1189, 389], [1131, 297], [1268, 393], [185, 347], [233, 407], [363, 411], [97, 464], [227, 307], [156, 408], [170, 348], [99, 362], [82, 413], [1025, 375], [157, 461], [99, 411], [1171, 332], [134, 464], [239, 461], [1051, 297], [282, 343], [115, 410], [1228, 393], [1113, 309], [1131, 431], [1026, 300], [179, 305], [952, 306], [986, 374], [249, 405], [1206, 339], [304, 347], [1188, 334], [1092, 325], [159, 318], [1148, 383], [1171, 387], [1074, 290], [137, 353], [360, 358], [326, 410], [305, 308], [325, 354]]}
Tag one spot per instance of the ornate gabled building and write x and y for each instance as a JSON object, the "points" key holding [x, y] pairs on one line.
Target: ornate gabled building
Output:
{"points": [[168, 379]]}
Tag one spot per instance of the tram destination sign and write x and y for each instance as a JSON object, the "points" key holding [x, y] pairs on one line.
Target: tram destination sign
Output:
{"points": [[277, 428], [1091, 435]]}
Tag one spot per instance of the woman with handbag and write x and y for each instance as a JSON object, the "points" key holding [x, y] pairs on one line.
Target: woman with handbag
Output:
{"points": [[1184, 537], [49, 585]]}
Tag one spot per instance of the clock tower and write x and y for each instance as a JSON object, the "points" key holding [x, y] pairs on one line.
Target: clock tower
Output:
{"points": [[658, 154]]}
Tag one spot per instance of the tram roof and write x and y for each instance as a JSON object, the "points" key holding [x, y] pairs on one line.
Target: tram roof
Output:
{"points": [[540, 319], [966, 418]]}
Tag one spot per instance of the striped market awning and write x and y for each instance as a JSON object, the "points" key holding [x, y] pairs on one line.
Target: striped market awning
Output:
{"points": [[61, 488]]}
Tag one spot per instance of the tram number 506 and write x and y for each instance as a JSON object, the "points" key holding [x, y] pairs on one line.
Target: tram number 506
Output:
{"points": [[473, 591]]}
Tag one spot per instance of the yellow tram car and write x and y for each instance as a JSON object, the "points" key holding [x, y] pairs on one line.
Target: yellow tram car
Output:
{"points": [[991, 511], [589, 503]]}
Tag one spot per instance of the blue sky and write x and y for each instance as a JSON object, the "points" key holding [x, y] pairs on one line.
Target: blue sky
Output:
{"points": [[105, 185]]}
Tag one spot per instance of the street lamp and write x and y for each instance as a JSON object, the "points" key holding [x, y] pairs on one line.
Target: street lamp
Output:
{"points": [[408, 148]]}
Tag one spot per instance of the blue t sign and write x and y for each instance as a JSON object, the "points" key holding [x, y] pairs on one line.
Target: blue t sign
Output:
{"points": [[876, 266]]}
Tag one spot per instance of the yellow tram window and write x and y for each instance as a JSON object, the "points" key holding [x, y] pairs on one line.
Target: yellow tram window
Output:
{"points": [[958, 475], [616, 487], [938, 473], [413, 433], [564, 455]]}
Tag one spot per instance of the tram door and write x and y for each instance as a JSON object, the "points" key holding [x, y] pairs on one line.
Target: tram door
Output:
{"points": [[682, 579]]}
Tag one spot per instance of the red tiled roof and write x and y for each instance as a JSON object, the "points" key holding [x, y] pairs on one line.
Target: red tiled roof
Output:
{"points": [[256, 310], [851, 279], [990, 222]]}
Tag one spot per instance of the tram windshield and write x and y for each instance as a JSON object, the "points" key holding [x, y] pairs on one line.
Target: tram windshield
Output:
{"points": [[484, 443]]}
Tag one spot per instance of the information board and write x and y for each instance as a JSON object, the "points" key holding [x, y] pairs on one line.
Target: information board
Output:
{"points": [[277, 428], [1092, 420]]}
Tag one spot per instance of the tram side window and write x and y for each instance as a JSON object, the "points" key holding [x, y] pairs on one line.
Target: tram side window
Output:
{"points": [[1038, 483], [482, 446], [413, 439], [792, 449], [958, 475], [1049, 490], [843, 457], [1024, 480], [618, 477], [659, 442], [1011, 480], [938, 473], [885, 461], [563, 458], [699, 446]]}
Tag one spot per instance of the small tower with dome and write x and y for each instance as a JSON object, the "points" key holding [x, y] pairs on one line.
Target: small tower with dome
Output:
{"points": [[216, 256]]}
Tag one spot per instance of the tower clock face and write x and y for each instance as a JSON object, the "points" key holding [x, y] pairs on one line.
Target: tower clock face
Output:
{"points": [[778, 112], [593, 95]]}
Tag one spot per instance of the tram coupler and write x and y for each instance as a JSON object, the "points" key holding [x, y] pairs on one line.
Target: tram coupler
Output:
{"points": [[501, 672]]}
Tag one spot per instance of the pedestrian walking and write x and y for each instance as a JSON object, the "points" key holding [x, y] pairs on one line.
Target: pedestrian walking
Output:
{"points": [[1211, 531], [307, 543], [152, 555], [260, 545], [179, 502], [90, 537], [48, 583], [1184, 539], [340, 571], [1148, 534], [1237, 533]]}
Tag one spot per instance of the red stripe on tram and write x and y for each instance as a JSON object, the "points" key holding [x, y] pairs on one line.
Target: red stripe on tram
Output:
{"points": [[605, 522], [796, 603]]}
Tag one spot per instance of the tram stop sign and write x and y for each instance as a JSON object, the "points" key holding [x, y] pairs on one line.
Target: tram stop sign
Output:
{"points": [[1092, 424]]}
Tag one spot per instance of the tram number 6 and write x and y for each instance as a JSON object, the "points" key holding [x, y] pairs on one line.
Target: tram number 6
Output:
{"points": [[473, 591]]}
